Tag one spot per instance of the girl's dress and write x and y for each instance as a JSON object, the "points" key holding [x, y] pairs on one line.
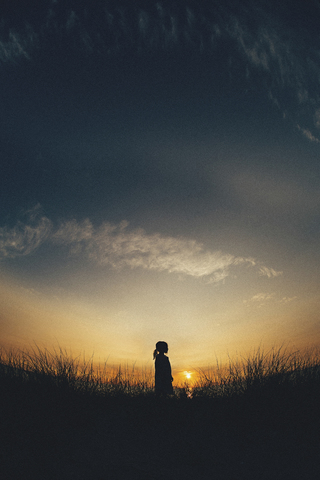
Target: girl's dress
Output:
{"points": [[163, 377]]}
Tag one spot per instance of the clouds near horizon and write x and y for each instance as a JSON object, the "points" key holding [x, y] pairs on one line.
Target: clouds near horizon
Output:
{"points": [[118, 246]]}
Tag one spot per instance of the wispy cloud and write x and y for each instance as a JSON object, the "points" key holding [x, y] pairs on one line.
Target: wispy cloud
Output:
{"points": [[260, 299], [259, 48], [118, 246], [269, 272], [17, 44], [23, 239], [289, 62], [308, 134], [288, 299]]}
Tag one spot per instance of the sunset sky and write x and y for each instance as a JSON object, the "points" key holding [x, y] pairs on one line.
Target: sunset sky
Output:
{"points": [[160, 176]]}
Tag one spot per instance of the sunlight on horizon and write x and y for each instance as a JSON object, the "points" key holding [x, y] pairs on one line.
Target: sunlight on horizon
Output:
{"points": [[30, 317]]}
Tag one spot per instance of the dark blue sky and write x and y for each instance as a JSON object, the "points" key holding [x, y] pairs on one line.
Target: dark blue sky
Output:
{"points": [[90, 93]]}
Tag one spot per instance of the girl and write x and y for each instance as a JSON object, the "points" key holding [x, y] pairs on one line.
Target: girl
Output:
{"points": [[163, 377]]}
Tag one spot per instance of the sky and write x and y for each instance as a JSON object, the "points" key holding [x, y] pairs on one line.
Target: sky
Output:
{"points": [[160, 177]]}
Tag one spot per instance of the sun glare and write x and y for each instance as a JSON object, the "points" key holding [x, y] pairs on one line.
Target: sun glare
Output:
{"points": [[187, 375]]}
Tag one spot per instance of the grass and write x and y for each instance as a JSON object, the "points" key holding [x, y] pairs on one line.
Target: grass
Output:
{"points": [[60, 369], [64, 417], [261, 373]]}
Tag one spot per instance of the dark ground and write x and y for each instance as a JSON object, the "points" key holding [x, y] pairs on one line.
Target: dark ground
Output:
{"points": [[50, 433]]}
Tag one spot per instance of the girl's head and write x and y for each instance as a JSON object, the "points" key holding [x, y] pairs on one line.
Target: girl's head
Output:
{"points": [[161, 347]]}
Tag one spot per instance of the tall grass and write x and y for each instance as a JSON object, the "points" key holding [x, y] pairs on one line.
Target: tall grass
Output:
{"points": [[58, 368], [260, 372], [66, 417]]}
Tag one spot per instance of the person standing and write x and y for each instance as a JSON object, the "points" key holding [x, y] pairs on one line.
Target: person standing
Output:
{"points": [[163, 376]]}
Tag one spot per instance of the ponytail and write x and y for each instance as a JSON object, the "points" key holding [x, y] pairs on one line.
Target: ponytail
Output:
{"points": [[155, 353]]}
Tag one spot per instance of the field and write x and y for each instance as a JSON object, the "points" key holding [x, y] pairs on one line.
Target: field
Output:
{"points": [[64, 418]]}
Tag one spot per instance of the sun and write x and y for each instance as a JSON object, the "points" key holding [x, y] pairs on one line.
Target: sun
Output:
{"points": [[187, 375]]}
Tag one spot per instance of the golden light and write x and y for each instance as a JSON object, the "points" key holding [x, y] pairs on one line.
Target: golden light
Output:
{"points": [[187, 375]]}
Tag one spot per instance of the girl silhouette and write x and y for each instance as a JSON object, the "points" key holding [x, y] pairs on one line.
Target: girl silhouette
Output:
{"points": [[163, 377]]}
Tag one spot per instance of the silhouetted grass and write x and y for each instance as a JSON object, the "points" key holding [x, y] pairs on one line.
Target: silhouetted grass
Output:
{"points": [[60, 369], [65, 417], [260, 373]]}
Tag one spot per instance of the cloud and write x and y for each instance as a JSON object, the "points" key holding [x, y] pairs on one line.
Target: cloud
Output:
{"points": [[23, 239], [308, 134], [288, 60], [269, 272], [18, 44], [118, 246], [259, 48], [260, 299], [288, 299]]}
